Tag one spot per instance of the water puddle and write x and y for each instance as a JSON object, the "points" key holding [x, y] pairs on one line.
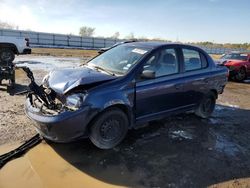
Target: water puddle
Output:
{"points": [[247, 81], [219, 108], [226, 105], [224, 145], [48, 63], [180, 135]]}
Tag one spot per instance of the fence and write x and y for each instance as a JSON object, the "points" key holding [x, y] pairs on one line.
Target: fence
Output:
{"points": [[60, 40], [38, 39], [221, 50]]}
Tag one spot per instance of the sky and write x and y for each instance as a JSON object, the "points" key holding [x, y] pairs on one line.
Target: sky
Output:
{"points": [[220, 21]]}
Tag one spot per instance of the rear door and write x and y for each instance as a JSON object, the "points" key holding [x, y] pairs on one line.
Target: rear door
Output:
{"points": [[196, 75], [164, 93]]}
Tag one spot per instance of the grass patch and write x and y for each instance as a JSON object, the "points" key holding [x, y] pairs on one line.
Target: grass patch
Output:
{"points": [[64, 52]]}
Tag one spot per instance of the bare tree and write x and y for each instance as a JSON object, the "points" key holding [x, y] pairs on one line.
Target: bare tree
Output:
{"points": [[116, 35], [6, 25], [86, 31], [130, 36]]}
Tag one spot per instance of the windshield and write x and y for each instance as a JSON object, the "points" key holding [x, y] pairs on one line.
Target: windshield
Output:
{"points": [[118, 60], [236, 56]]}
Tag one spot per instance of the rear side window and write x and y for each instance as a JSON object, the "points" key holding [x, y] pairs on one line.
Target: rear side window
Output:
{"points": [[193, 60]]}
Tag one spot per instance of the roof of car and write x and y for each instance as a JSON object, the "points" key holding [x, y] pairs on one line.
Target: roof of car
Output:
{"points": [[155, 44]]}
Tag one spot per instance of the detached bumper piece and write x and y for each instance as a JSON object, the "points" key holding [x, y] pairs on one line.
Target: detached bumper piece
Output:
{"points": [[20, 150]]}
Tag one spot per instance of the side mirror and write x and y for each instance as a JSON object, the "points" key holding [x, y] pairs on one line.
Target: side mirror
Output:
{"points": [[148, 74]]}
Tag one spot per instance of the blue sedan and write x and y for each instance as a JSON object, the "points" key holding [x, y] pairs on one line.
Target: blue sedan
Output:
{"points": [[126, 86]]}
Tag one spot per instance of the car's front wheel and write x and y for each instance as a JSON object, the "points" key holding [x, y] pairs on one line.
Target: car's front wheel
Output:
{"points": [[7, 55], [109, 129], [206, 106]]}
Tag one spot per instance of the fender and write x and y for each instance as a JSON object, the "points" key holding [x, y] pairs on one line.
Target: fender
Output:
{"points": [[125, 107]]}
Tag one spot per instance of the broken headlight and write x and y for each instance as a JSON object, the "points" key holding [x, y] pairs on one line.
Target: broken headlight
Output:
{"points": [[45, 81], [75, 101]]}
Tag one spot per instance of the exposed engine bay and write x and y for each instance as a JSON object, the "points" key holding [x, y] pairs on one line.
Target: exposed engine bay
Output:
{"points": [[42, 98], [62, 91]]}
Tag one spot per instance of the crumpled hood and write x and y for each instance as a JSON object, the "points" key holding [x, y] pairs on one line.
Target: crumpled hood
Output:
{"points": [[63, 80]]}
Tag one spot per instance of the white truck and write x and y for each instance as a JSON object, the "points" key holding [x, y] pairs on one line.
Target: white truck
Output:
{"points": [[9, 46]]}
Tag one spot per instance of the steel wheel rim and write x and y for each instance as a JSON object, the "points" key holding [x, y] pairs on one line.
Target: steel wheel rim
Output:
{"points": [[110, 129]]}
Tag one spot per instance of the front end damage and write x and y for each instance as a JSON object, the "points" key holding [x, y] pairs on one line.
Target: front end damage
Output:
{"points": [[56, 117], [42, 98]]}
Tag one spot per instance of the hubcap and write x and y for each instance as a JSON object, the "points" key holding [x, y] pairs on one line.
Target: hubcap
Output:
{"points": [[110, 129]]}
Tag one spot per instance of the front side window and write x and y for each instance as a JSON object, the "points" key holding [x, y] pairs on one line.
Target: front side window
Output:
{"points": [[119, 60], [163, 63]]}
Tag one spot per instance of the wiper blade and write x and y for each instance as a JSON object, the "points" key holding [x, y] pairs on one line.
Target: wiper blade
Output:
{"points": [[105, 70]]}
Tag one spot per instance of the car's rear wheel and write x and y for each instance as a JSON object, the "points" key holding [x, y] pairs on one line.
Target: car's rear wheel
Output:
{"points": [[241, 75], [7, 55], [109, 129], [206, 106]]}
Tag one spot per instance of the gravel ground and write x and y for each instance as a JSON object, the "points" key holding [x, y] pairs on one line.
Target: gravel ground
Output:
{"points": [[180, 151]]}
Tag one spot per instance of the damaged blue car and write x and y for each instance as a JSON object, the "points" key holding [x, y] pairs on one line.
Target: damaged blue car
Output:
{"points": [[122, 88]]}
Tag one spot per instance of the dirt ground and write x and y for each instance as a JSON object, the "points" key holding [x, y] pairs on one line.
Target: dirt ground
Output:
{"points": [[180, 151]]}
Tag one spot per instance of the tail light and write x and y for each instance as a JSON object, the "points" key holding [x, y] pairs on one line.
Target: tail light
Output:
{"points": [[27, 42]]}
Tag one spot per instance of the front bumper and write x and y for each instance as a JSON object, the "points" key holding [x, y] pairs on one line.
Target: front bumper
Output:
{"points": [[64, 127]]}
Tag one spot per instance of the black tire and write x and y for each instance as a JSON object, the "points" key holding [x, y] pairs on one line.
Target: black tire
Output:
{"points": [[109, 129], [7, 55], [241, 75], [206, 106]]}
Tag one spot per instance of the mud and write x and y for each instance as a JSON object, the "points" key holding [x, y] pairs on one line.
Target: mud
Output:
{"points": [[180, 151]]}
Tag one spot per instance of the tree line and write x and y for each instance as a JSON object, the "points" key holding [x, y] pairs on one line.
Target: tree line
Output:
{"points": [[89, 32]]}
